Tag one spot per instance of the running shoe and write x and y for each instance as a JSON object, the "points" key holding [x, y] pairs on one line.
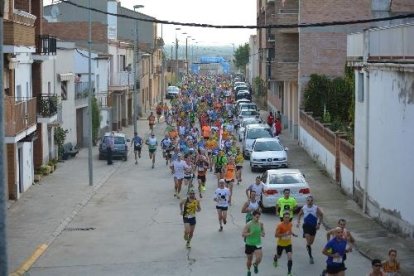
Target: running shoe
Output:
{"points": [[203, 188], [289, 274], [274, 263], [256, 268], [224, 221], [201, 196], [188, 244], [311, 261], [221, 228], [249, 273]]}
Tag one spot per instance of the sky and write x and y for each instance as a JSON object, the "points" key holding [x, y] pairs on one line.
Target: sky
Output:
{"points": [[216, 12]]}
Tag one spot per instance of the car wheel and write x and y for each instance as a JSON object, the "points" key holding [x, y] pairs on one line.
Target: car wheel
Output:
{"points": [[252, 169], [126, 158]]}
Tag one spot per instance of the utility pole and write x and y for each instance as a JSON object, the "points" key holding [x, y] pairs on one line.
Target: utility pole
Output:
{"points": [[176, 54], [90, 165], [3, 182], [136, 49]]}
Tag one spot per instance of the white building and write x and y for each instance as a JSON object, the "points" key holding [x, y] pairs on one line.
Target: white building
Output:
{"points": [[383, 59]]}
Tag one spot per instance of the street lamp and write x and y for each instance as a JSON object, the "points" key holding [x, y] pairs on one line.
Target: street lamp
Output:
{"points": [[176, 54], [136, 49]]}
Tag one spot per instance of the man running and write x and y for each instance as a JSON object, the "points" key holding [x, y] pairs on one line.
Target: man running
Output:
{"points": [[250, 206], [312, 219], [230, 175], [284, 235], [166, 146], [189, 207], [177, 167], [151, 121], [286, 203], [202, 167], [257, 188], [335, 249], [220, 162], [253, 233], [152, 147], [239, 159], [137, 143], [222, 195]]}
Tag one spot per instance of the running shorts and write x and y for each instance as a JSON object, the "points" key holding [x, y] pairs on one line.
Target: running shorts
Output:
{"points": [[279, 249]]}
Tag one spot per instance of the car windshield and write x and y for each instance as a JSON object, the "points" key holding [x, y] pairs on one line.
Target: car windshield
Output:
{"points": [[249, 122], [267, 146], [249, 113], [258, 133], [248, 107], [117, 140], [241, 87], [285, 179]]}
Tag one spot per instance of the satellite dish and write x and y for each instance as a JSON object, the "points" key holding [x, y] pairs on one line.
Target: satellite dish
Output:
{"points": [[54, 11]]}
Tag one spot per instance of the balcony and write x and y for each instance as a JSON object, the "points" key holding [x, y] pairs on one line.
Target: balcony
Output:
{"points": [[19, 29], [20, 116], [45, 47], [284, 71], [82, 93], [47, 108], [104, 99], [123, 78]]}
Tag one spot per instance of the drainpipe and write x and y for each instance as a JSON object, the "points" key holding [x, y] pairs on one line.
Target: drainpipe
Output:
{"points": [[3, 178], [366, 98]]}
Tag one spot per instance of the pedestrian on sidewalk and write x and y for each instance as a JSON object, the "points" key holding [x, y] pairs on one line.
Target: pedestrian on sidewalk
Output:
{"points": [[336, 249], [270, 119], [189, 207], [391, 266], [253, 233], [376, 268], [284, 235], [110, 143], [312, 220]]}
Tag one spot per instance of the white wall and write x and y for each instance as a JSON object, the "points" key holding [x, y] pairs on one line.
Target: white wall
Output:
{"points": [[317, 151], [27, 164], [391, 154], [65, 63], [23, 75]]}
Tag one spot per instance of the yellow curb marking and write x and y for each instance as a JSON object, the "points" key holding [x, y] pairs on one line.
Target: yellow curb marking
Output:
{"points": [[27, 264]]}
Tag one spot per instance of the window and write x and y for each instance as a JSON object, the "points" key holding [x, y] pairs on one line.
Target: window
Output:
{"points": [[122, 63], [49, 88], [63, 90], [360, 91], [18, 92]]}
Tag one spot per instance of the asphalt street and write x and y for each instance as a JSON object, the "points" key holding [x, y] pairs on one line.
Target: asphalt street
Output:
{"points": [[131, 225]]}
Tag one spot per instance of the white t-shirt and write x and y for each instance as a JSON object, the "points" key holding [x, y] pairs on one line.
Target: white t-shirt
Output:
{"points": [[222, 196], [258, 189], [179, 167], [152, 142]]}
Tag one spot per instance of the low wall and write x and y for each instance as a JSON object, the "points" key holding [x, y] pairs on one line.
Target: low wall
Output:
{"points": [[335, 154]]}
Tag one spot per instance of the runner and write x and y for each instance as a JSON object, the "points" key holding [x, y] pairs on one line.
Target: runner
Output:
{"points": [[177, 168], [253, 233], [311, 213], [166, 146], [220, 162], [257, 188], [250, 206], [284, 234], [230, 175], [152, 147], [239, 165], [158, 110], [188, 171], [189, 207], [286, 203], [391, 266], [202, 167], [335, 249], [376, 269], [221, 198], [137, 143], [151, 121]]}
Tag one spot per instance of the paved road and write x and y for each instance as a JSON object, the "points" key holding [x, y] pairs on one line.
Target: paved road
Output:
{"points": [[132, 226]]}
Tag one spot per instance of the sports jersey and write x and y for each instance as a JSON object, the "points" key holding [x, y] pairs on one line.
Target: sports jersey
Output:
{"points": [[336, 246], [152, 143], [255, 237], [190, 208], [222, 196], [310, 215], [137, 141], [230, 172], [258, 188], [286, 205], [179, 167], [284, 228]]}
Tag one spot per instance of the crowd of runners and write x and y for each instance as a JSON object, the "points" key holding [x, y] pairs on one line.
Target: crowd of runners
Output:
{"points": [[200, 137]]}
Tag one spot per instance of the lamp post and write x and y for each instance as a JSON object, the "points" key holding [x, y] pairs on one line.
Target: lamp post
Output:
{"points": [[186, 51], [176, 54], [136, 49], [90, 95]]}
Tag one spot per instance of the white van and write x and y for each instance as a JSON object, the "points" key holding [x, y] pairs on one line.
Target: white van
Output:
{"points": [[172, 92]]}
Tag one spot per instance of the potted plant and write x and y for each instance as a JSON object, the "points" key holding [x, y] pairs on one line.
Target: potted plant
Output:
{"points": [[38, 175]]}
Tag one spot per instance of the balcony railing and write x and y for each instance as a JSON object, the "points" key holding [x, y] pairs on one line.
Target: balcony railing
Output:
{"points": [[47, 105], [45, 45], [82, 89], [123, 78], [20, 114], [104, 99]]}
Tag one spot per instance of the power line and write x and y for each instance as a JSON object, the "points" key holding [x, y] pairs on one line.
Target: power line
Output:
{"points": [[271, 26]]}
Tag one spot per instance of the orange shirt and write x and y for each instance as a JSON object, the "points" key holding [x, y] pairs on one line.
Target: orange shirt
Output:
{"points": [[283, 228], [230, 172], [206, 131], [211, 144], [173, 134]]}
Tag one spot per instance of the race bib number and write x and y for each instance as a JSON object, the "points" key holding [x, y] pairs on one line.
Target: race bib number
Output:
{"points": [[337, 260]]}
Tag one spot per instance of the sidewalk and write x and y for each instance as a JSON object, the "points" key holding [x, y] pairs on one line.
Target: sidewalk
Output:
{"points": [[43, 211], [372, 239]]}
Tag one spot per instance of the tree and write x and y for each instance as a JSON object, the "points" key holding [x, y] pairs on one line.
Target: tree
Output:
{"points": [[241, 57], [96, 120]]}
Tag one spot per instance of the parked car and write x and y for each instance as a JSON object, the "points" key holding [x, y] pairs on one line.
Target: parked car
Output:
{"points": [[246, 106], [120, 146], [245, 122], [275, 181], [268, 153], [243, 94], [172, 92], [249, 114], [253, 132], [241, 87]]}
